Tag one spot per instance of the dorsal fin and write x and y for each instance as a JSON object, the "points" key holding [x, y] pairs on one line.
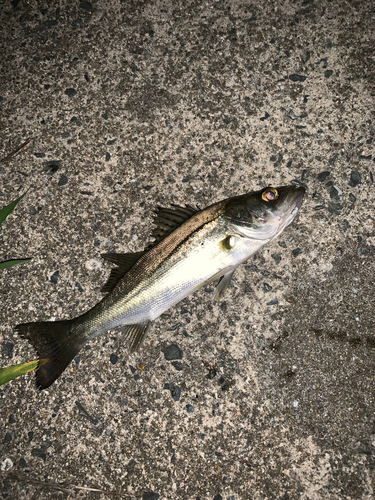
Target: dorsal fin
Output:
{"points": [[168, 219], [124, 261]]}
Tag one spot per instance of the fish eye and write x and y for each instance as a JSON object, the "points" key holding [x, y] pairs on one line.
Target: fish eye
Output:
{"points": [[270, 194]]}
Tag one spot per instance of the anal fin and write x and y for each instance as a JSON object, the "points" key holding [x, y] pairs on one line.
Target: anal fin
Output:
{"points": [[136, 334]]}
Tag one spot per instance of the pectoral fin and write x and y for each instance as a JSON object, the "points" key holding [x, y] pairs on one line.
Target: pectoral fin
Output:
{"points": [[136, 334], [223, 284]]}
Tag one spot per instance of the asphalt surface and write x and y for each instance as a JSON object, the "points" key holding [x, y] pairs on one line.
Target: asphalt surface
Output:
{"points": [[130, 105]]}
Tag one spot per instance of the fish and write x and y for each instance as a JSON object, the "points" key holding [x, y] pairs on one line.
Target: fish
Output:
{"points": [[191, 248]]}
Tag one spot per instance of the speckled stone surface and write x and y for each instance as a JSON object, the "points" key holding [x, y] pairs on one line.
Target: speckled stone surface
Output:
{"points": [[130, 105]]}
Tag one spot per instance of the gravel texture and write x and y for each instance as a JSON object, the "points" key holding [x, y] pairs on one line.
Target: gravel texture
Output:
{"points": [[132, 104]]}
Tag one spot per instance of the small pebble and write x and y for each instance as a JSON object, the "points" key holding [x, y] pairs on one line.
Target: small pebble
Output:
{"points": [[178, 365], [8, 349], [52, 167], [54, 277], [323, 176], [297, 78], [273, 302], [172, 352], [22, 463], [113, 358], [174, 389], [355, 178], [63, 180], [37, 452], [150, 495], [334, 208], [189, 409], [70, 92], [211, 374], [276, 257], [267, 288]]}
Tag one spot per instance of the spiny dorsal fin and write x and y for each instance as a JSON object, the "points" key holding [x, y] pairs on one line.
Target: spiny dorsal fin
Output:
{"points": [[124, 261], [168, 219]]}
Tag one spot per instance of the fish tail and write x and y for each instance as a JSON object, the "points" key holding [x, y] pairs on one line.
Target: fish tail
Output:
{"points": [[56, 344]]}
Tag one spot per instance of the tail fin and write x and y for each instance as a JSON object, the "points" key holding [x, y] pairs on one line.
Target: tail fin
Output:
{"points": [[56, 345]]}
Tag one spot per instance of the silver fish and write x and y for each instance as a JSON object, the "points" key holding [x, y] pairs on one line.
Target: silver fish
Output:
{"points": [[192, 248]]}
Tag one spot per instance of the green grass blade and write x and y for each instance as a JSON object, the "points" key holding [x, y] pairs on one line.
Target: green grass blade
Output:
{"points": [[8, 263], [5, 211], [7, 374]]}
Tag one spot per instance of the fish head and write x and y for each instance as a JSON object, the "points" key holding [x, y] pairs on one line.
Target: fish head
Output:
{"points": [[264, 214]]}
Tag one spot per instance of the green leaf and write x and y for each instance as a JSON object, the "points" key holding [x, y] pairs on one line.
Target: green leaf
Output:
{"points": [[8, 263], [7, 374], [4, 212]]}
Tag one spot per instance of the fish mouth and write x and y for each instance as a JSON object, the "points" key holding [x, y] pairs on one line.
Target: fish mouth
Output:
{"points": [[294, 200], [300, 198]]}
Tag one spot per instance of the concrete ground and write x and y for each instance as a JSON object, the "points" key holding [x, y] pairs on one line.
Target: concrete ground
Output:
{"points": [[133, 104]]}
